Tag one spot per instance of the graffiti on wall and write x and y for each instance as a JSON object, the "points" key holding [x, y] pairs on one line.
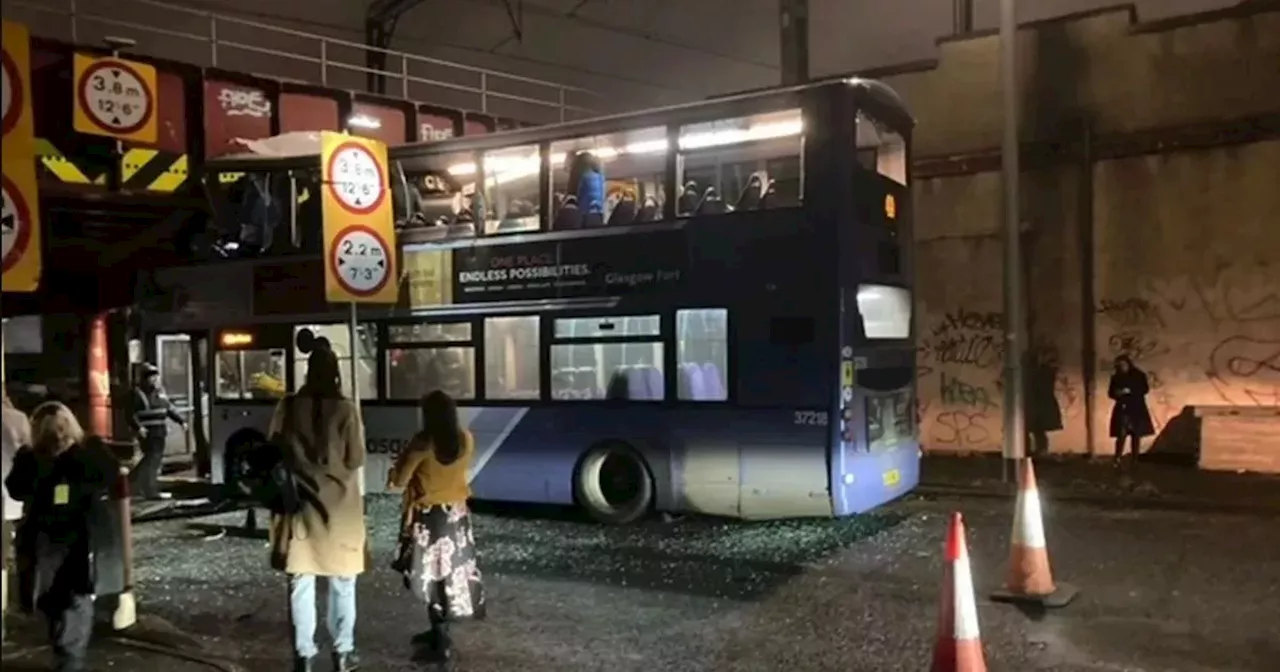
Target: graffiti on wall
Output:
{"points": [[1203, 340], [961, 383]]}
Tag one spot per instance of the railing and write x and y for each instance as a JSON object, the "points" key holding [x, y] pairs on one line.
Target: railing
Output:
{"points": [[238, 44]]}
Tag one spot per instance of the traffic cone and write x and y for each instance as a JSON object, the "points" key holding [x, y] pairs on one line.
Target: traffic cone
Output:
{"points": [[1030, 579], [958, 646]]}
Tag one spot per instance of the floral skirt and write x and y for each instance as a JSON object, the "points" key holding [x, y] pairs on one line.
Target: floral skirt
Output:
{"points": [[437, 557]]}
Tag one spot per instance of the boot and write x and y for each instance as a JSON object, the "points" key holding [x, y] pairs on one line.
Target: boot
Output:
{"points": [[346, 662], [435, 646], [301, 664]]}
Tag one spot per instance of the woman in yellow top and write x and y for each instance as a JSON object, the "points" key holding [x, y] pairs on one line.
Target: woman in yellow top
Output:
{"points": [[437, 552]]}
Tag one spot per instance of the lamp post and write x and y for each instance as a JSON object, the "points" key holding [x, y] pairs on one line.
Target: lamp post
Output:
{"points": [[1015, 434]]}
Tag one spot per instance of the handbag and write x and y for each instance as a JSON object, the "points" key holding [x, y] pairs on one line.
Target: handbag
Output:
{"points": [[277, 483]]}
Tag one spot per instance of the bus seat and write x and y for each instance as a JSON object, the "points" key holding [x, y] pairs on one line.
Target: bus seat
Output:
{"points": [[651, 211], [562, 383], [425, 234], [569, 217], [518, 213], [696, 381], [654, 383], [770, 196], [751, 194], [461, 230], [619, 385], [584, 383], [689, 199], [711, 203], [624, 212], [715, 385], [592, 220]]}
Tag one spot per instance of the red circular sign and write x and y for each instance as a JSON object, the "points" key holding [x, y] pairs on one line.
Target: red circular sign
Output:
{"points": [[21, 225], [360, 260], [361, 172], [16, 94], [86, 106]]}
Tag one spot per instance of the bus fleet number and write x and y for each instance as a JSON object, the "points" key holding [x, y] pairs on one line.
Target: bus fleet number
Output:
{"points": [[811, 418]]}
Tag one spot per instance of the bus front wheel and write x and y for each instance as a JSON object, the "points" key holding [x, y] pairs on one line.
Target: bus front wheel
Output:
{"points": [[236, 465], [613, 484]]}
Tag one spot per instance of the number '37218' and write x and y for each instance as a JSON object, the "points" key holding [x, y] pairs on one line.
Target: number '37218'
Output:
{"points": [[810, 418]]}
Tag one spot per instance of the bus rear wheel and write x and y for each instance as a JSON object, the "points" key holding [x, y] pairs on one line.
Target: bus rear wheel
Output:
{"points": [[613, 484]]}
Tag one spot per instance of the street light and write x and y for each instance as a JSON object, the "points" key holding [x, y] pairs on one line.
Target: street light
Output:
{"points": [[1015, 330]]}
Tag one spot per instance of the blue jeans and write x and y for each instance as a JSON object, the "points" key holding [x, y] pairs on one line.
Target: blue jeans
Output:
{"points": [[342, 613]]}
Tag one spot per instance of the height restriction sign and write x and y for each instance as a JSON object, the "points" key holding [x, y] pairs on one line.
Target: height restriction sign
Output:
{"points": [[359, 232], [115, 98], [20, 218], [20, 225], [15, 57]]}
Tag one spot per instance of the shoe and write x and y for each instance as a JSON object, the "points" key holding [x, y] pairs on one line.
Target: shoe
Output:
{"points": [[346, 662], [302, 664]]}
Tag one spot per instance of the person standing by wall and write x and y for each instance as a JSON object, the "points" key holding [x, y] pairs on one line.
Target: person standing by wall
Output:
{"points": [[149, 418], [15, 430], [1130, 417], [322, 439]]}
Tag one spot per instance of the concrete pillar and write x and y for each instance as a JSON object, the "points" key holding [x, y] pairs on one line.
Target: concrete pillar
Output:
{"points": [[962, 17], [793, 19]]}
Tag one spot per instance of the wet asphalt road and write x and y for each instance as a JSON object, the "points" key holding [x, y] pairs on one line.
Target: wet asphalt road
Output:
{"points": [[1161, 592]]}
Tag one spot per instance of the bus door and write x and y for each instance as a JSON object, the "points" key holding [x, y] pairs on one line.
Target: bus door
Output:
{"points": [[876, 448], [173, 358]]}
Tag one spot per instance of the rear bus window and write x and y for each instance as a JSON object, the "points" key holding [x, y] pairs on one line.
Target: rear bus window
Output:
{"points": [[747, 163], [885, 311], [425, 357], [614, 357], [511, 354], [702, 339]]}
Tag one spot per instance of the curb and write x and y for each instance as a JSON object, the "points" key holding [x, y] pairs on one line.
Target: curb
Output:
{"points": [[1156, 503]]}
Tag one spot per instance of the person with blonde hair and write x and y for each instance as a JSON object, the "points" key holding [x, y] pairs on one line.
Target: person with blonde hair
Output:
{"points": [[15, 430], [63, 482]]}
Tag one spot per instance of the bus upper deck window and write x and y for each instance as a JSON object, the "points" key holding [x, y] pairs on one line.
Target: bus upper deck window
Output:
{"points": [[613, 179], [509, 201], [439, 197], [744, 163]]}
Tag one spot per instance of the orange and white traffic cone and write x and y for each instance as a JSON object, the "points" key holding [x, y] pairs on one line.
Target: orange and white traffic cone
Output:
{"points": [[958, 647], [1030, 579]]}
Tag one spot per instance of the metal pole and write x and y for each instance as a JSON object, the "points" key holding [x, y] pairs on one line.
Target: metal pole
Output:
{"points": [[353, 334], [1015, 317]]}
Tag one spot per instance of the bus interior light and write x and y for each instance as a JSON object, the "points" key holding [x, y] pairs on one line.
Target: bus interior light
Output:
{"points": [[364, 121], [509, 169]]}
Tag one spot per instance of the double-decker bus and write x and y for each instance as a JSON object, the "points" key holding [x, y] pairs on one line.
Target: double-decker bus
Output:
{"points": [[702, 308]]}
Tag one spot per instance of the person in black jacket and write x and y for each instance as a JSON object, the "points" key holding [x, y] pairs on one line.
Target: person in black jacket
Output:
{"points": [[1130, 417], [63, 482], [149, 418]]}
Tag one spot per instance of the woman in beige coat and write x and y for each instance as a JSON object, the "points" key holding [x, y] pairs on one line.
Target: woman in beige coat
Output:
{"points": [[325, 441]]}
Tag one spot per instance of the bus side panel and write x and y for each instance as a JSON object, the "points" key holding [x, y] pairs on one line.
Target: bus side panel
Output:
{"points": [[715, 460]]}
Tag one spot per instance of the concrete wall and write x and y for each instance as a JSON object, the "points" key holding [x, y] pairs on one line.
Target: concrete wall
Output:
{"points": [[1172, 258]]}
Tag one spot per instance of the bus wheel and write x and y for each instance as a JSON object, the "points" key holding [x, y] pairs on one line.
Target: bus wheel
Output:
{"points": [[613, 484], [235, 462]]}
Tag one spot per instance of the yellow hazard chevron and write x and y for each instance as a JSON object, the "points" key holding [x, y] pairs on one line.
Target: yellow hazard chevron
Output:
{"points": [[62, 168], [152, 170]]}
